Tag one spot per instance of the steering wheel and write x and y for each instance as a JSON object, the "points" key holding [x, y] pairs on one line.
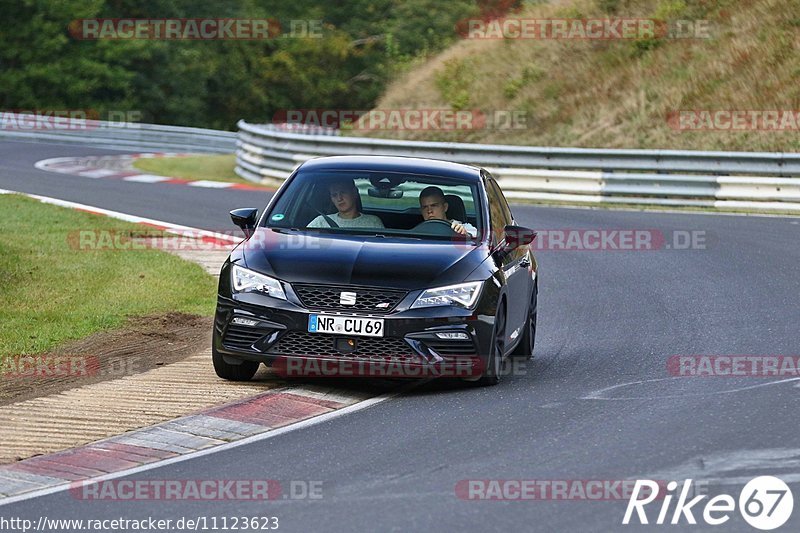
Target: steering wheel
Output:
{"points": [[435, 226]]}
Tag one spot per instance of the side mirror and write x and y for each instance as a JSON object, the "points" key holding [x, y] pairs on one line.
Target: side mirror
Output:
{"points": [[245, 218], [517, 236], [514, 237]]}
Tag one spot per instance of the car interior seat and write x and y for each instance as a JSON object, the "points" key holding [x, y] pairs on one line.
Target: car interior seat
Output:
{"points": [[455, 208], [322, 202]]}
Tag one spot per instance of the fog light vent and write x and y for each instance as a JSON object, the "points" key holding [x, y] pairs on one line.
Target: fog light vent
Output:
{"points": [[244, 321], [453, 335]]}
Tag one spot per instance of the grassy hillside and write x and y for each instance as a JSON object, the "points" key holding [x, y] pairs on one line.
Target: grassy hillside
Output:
{"points": [[615, 93]]}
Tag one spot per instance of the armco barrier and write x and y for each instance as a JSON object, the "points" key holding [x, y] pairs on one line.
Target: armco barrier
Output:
{"points": [[754, 181], [129, 136]]}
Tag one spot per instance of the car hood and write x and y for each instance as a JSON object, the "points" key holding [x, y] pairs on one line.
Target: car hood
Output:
{"points": [[359, 260]]}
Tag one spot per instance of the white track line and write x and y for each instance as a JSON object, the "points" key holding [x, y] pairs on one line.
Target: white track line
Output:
{"points": [[147, 178], [363, 404], [167, 226], [599, 394], [210, 184], [98, 173], [44, 163]]}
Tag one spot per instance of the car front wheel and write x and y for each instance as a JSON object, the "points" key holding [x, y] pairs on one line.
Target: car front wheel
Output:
{"points": [[524, 349], [244, 371]]}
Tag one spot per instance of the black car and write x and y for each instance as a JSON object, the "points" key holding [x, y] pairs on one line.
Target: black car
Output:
{"points": [[345, 274]]}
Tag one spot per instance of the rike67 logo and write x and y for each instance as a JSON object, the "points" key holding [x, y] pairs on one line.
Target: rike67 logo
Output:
{"points": [[765, 503]]}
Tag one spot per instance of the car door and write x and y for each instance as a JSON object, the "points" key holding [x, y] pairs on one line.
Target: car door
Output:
{"points": [[514, 264]]}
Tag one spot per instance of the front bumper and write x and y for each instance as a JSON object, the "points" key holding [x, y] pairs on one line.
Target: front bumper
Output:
{"points": [[275, 332]]}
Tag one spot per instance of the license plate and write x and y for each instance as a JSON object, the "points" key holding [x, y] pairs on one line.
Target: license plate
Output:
{"points": [[345, 325]]}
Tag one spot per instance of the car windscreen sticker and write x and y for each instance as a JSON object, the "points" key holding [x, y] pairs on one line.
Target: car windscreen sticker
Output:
{"points": [[279, 216]]}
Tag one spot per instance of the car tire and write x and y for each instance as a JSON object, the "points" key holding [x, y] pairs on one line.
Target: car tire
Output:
{"points": [[524, 349], [244, 371], [494, 366]]}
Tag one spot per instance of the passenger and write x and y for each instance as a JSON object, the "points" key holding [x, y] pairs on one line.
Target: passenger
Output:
{"points": [[344, 196], [433, 206]]}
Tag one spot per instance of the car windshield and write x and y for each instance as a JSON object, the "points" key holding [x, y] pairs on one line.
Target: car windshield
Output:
{"points": [[379, 203]]}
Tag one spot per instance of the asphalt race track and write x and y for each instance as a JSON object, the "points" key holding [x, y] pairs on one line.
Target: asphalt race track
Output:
{"points": [[597, 403]]}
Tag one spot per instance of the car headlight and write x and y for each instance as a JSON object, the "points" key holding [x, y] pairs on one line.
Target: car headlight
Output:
{"points": [[247, 280], [461, 295]]}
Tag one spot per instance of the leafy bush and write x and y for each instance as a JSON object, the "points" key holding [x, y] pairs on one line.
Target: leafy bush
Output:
{"points": [[215, 83], [453, 83]]}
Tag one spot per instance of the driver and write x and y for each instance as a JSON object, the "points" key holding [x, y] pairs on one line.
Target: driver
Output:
{"points": [[433, 206], [344, 196]]}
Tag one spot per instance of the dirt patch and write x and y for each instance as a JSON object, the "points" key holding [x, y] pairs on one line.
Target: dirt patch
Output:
{"points": [[141, 344]]}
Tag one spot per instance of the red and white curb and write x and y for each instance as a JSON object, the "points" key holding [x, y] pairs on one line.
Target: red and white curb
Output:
{"points": [[121, 167], [264, 416], [236, 424]]}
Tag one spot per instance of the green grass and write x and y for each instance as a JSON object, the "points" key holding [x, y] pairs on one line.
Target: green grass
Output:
{"points": [[51, 291], [193, 167], [616, 93]]}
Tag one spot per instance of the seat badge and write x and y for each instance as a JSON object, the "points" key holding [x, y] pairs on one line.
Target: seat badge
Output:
{"points": [[347, 298]]}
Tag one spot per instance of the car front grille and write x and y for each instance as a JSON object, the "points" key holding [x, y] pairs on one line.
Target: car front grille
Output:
{"points": [[296, 343], [241, 337], [327, 297]]}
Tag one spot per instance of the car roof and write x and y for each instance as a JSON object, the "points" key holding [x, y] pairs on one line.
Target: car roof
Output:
{"points": [[410, 165]]}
